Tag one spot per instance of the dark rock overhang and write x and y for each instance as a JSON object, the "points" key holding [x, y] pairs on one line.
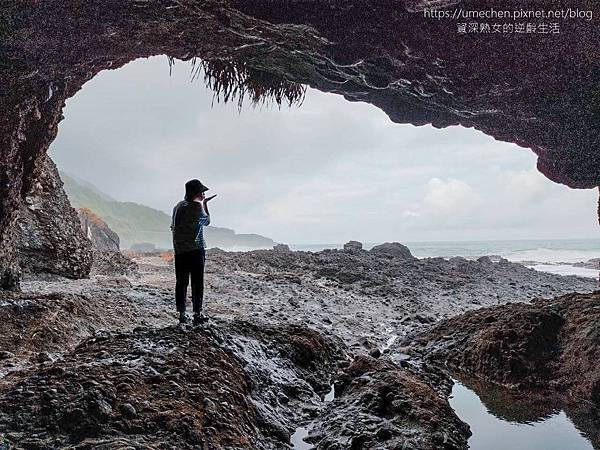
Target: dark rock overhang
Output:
{"points": [[540, 91]]}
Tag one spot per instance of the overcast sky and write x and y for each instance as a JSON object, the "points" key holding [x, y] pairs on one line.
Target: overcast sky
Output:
{"points": [[325, 172]]}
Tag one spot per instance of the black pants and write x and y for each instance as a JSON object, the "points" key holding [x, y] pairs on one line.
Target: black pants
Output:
{"points": [[189, 265]]}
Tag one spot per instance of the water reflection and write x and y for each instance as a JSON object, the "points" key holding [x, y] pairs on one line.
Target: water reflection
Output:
{"points": [[503, 423]]}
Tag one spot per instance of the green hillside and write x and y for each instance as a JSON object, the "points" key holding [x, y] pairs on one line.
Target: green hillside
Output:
{"points": [[135, 223]]}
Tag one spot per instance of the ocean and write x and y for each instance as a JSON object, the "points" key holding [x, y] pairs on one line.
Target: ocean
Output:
{"points": [[554, 256]]}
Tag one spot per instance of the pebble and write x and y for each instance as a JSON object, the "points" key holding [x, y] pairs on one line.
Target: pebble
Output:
{"points": [[128, 410]]}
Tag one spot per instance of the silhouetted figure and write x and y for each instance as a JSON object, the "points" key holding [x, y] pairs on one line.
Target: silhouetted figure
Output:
{"points": [[190, 216]]}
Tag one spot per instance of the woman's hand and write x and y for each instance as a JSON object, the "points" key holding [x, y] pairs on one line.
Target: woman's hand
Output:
{"points": [[205, 201]]}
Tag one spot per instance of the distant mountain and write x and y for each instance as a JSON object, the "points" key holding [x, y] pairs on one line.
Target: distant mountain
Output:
{"points": [[138, 224]]}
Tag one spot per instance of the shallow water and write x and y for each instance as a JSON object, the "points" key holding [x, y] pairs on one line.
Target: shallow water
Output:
{"points": [[523, 431], [330, 396], [514, 426], [297, 439]]}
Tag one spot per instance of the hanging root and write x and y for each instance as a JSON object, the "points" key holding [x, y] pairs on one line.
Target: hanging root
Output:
{"points": [[235, 81]]}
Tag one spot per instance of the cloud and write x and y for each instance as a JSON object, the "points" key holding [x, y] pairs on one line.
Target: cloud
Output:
{"points": [[447, 204], [525, 182], [409, 213], [450, 197]]}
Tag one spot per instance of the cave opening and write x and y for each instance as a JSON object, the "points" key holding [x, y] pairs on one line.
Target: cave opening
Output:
{"points": [[312, 174], [413, 77]]}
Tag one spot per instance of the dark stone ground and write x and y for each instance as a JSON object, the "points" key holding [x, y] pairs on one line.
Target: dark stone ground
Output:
{"points": [[100, 363]]}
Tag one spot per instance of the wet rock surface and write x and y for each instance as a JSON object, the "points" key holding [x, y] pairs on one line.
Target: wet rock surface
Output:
{"points": [[165, 388], [381, 405], [365, 297], [48, 234], [54, 320], [97, 363]]}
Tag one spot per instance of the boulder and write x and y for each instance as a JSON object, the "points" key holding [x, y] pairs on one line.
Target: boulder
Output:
{"points": [[593, 263], [48, 234], [107, 256], [392, 250], [97, 231], [281, 248], [108, 262], [379, 405], [353, 246]]}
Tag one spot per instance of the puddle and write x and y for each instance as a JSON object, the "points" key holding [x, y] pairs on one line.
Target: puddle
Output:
{"points": [[330, 396], [297, 439], [498, 421], [498, 425]]}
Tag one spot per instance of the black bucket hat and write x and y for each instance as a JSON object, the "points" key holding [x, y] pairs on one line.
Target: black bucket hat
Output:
{"points": [[193, 188]]}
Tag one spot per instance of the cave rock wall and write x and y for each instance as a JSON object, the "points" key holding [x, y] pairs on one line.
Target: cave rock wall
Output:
{"points": [[48, 233]]}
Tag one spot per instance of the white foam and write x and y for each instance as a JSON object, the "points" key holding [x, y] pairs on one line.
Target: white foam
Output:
{"points": [[389, 342], [564, 269], [547, 255]]}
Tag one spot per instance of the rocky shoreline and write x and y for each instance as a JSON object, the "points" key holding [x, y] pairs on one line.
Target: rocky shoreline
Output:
{"points": [[99, 363], [365, 297]]}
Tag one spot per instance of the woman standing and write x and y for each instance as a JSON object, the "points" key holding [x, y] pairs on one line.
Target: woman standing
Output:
{"points": [[190, 216]]}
